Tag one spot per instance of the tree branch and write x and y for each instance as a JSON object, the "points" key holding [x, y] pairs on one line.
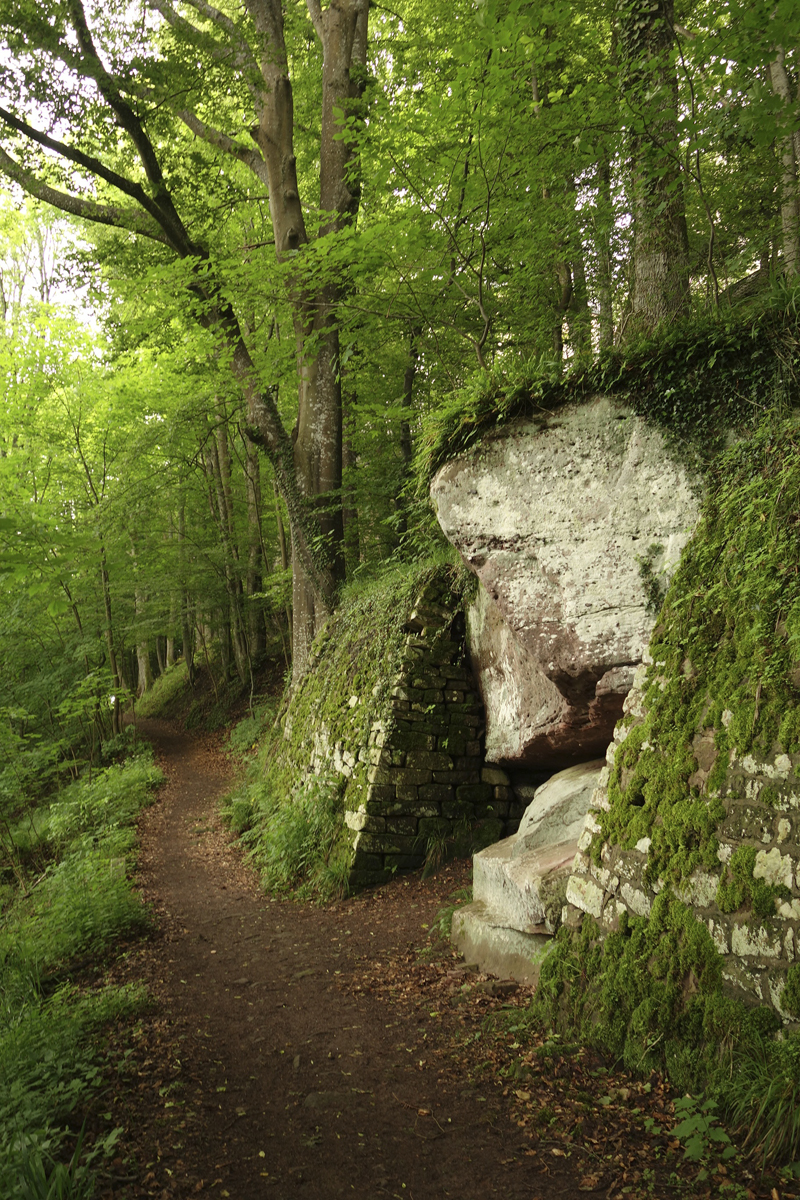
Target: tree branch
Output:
{"points": [[241, 54], [131, 220], [245, 154], [168, 215], [223, 22], [134, 190], [315, 12]]}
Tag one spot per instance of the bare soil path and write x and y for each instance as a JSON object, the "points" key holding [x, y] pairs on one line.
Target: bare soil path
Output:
{"points": [[304, 1053], [281, 1074]]}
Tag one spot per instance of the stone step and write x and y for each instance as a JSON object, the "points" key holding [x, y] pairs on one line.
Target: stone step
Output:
{"points": [[520, 884], [496, 948], [523, 891], [558, 808]]}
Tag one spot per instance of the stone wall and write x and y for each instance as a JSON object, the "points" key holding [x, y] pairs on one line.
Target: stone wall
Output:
{"points": [[389, 721], [760, 830], [427, 783]]}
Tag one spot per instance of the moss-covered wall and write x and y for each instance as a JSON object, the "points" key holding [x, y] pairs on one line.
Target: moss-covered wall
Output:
{"points": [[701, 799], [697, 381], [389, 716]]}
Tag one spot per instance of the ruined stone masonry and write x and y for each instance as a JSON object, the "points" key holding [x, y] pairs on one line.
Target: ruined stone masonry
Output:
{"points": [[396, 729], [427, 781], [762, 811]]}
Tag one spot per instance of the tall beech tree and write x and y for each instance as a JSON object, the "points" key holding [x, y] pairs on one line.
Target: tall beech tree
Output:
{"points": [[660, 290], [104, 83]]}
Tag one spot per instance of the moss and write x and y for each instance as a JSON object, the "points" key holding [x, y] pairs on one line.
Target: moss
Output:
{"points": [[738, 887], [652, 581], [650, 994], [791, 994], [696, 381], [726, 645]]}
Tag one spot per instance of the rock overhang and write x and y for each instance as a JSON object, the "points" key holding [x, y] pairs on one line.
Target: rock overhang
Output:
{"points": [[568, 521]]}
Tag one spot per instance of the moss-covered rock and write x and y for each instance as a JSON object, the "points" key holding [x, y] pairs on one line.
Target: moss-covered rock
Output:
{"points": [[650, 992], [685, 921], [722, 697], [697, 381]]}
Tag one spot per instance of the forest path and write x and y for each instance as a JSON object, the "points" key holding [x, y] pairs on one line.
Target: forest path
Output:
{"points": [[272, 1068]]}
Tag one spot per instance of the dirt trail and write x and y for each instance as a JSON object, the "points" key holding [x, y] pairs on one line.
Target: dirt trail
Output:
{"points": [[277, 1073]]}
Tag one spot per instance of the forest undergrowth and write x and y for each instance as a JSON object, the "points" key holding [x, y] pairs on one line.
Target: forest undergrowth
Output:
{"points": [[72, 910]]}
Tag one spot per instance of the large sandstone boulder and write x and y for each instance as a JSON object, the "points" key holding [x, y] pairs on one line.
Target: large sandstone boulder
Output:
{"points": [[558, 809], [557, 517], [520, 883]]}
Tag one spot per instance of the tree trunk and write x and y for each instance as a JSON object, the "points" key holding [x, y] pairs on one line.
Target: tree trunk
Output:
{"points": [[603, 224], [660, 241], [563, 290], [406, 439], [790, 200], [218, 470], [255, 557], [144, 670], [284, 553], [187, 615], [113, 658], [342, 29], [281, 532], [580, 318], [352, 546]]}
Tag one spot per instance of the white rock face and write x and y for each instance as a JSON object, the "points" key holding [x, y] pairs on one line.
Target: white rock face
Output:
{"points": [[554, 517], [558, 810]]}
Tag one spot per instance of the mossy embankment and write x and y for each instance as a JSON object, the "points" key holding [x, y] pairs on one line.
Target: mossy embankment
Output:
{"points": [[697, 381], [698, 818], [726, 653]]}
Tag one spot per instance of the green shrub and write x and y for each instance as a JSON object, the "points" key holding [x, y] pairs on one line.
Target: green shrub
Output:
{"points": [[83, 906], [100, 806], [29, 1169], [48, 1065], [761, 1099], [296, 845], [164, 692], [650, 994], [243, 739]]}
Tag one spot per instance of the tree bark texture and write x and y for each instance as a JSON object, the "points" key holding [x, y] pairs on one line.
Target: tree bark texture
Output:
{"points": [[342, 29], [255, 553], [144, 670], [603, 223], [187, 614], [787, 150], [660, 241], [218, 471]]}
